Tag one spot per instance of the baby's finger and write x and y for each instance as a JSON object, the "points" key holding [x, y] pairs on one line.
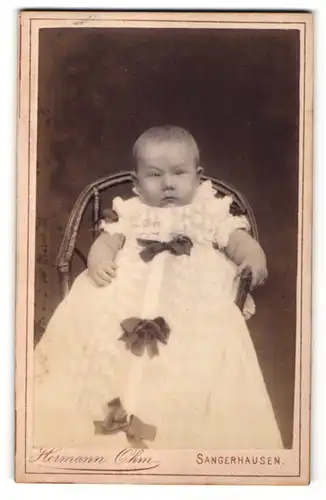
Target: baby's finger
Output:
{"points": [[265, 275], [262, 281], [259, 279], [110, 270], [104, 277], [262, 277], [240, 269], [99, 281], [254, 280]]}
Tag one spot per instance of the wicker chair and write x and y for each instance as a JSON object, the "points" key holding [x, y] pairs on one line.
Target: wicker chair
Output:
{"points": [[91, 195]]}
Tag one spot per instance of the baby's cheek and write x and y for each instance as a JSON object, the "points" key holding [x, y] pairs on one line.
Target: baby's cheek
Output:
{"points": [[187, 190], [150, 192]]}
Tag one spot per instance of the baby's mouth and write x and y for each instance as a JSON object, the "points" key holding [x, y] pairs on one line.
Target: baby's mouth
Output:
{"points": [[168, 200]]}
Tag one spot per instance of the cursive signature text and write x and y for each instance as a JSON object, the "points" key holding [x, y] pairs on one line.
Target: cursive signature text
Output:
{"points": [[53, 456], [128, 459], [134, 456]]}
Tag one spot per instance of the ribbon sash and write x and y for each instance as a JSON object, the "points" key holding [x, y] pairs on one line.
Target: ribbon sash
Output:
{"points": [[179, 245]]}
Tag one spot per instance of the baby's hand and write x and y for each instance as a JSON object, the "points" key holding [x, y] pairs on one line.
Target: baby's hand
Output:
{"points": [[102, 273], [257, 265], [101, 265]]}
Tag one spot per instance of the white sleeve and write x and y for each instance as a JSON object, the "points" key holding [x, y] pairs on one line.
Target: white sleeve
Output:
{"points": [[119, 226], [228, 224]]}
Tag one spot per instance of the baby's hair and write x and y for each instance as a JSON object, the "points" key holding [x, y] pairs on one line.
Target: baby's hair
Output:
{"points": [[166, 133]]}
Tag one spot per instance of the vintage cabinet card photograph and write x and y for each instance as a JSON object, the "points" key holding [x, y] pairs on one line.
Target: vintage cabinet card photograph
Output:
{"points": [[164, 212]]}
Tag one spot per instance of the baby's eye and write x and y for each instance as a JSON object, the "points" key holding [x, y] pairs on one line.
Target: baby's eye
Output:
{"points": [[179, 172], [154, 174]]}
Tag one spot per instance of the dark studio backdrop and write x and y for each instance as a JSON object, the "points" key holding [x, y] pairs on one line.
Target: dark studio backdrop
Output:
{"points": [[236, 91]]}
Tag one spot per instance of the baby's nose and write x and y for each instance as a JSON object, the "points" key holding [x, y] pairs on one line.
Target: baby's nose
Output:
{"points": [[169, 183]]}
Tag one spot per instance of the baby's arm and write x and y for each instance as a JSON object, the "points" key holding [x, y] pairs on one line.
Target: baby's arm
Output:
{"points": [[101, 257], [245, 251]]}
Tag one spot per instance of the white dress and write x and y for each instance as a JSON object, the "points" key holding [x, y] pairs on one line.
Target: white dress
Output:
{"points": [[205, 389]]}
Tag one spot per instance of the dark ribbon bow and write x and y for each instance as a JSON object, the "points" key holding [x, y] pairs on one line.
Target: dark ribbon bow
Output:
{"points": [[117, 420], [236, 209], [108, 215], [139, 334], [179, 245]]}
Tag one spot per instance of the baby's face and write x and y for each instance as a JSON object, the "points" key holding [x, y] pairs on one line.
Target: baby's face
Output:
{"points": [[167, 174]]}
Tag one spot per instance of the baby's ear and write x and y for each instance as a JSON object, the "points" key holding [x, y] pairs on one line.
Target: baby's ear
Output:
{"points": [[199, 171], [134, 177], [135, 181]]}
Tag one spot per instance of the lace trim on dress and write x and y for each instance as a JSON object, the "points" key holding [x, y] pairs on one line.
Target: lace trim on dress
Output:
{"points": [[205, 219]]}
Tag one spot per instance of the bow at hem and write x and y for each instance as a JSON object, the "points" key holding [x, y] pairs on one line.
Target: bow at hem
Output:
{"points": [[118, 420]]}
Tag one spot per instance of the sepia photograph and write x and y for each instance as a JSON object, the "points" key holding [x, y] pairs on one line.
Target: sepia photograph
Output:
{"points": [[164, 247]]}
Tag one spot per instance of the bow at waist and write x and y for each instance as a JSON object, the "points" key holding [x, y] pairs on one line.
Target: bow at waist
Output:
{"points": [[179, 245]]}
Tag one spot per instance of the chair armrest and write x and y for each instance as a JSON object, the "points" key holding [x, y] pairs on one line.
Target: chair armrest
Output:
{"points": [[244, 288], [68, 244]]}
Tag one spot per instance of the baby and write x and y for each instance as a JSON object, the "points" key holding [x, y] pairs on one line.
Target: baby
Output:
{"points": [[167, 173], [161, 357]]}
